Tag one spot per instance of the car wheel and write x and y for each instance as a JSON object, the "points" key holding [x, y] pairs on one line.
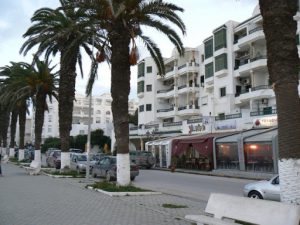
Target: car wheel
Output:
{"points": [[108, 176], [132, 178], [255, 194]]}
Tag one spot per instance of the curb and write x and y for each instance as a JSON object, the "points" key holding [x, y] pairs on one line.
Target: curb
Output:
{"points": [[121, 194], [56, 176]]}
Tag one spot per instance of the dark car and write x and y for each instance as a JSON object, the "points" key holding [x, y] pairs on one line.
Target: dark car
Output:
{"points": [[107, 167], [142, 158], [53, 160]]}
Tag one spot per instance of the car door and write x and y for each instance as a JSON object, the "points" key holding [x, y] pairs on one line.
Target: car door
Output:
{"points": [[102, 166], [272, 191], [73, 163], [96, 168]]}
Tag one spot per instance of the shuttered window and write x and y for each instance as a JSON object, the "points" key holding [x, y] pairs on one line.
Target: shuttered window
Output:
{"points": [[208, 48], [209, 70], [221, 62], [220, 39], [141, 86]]}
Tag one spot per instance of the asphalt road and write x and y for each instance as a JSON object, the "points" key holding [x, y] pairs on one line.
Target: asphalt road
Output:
{"points": [[189, 185]]}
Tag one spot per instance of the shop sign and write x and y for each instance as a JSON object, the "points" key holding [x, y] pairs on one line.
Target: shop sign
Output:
{"points": [[225, 125], [265, 122], [196, 128]]}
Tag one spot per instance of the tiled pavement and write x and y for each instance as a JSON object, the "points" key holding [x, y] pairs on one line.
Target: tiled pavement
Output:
{"points": [[42, 200]]}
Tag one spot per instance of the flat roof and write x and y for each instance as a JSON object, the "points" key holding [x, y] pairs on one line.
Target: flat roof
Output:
{"points": [[236, 136], [263, 136]]}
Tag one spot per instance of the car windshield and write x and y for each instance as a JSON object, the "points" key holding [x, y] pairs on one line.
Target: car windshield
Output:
{"points": [[81, 157]]}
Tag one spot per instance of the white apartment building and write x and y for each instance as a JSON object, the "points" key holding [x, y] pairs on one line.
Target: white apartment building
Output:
{"points": [[101, 116], [221, 85]]}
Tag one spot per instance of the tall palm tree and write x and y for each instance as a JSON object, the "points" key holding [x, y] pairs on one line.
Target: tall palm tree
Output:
{"points": [[13, 126], [283, 64], [62, 30], [122, 21], [4, 123]]}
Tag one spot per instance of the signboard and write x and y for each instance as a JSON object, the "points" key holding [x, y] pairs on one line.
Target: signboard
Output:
{"points": [[196, 128], [225, 125], [269, 121]]}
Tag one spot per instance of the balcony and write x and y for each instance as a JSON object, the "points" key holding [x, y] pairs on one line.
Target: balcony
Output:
{"points": [[189, 67], [229, 117], [189, 110], [264, 112], [246, 65], [255, 34], [199, 120], [221, 73], [166, 93], [257, 92], [162, 113]]}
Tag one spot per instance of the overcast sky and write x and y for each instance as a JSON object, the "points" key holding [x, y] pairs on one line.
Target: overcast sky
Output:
{"points": [[200, 17]]}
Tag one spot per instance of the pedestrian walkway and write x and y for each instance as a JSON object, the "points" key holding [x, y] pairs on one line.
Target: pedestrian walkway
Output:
{"points": [[42, 200]]}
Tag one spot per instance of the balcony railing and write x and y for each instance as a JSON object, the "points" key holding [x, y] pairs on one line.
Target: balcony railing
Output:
{"points": [[199, 120], [148, 126], [229, 116], [133, 128], [182, 66], [169, 69], [255, 30], [165, 91], [182, 86], [165, 110], [258, 57], [260, 87], [264, 112], [181, 108], [172, 124]]}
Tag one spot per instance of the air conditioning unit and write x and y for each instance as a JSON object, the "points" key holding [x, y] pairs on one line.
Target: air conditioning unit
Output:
{"points": [[264, 101]]}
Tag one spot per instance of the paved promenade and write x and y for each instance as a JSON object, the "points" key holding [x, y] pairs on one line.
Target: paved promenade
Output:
{"points": [[42, 200]]}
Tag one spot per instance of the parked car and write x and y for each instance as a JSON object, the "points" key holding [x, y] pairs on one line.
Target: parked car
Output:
{"points": [[79, 162], [142, 158], [49, 150], [266, 189], [107, 167], [76, 150], [53, 160]]}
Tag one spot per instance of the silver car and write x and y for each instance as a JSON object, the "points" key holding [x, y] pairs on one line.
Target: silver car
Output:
{"points": [[266, 189], [79, 162]]}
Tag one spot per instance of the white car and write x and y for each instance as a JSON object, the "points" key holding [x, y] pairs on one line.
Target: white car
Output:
{"points": [[266, 189]]}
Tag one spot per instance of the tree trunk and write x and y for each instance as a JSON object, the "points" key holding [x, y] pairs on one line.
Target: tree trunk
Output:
{"points": [[13, 126], [22, 122], [65, 102], [120, 88], [283, 65], [39, 122]]}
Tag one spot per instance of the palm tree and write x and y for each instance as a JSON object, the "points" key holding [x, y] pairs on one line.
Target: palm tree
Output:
{"points": [[4, 123], [13, 126], [283, 64], [62, 30], [122, 22]]}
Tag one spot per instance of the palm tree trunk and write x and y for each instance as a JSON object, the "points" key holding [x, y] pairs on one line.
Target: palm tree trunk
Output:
{"points": [[120, 88], [283, 65], [5, 119], [66, 98], [39, 122], [22, 123], [13, 126]]}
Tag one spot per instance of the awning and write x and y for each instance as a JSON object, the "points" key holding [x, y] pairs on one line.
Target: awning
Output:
{"points": [[201, 143], [235, 137], [266, 136]]}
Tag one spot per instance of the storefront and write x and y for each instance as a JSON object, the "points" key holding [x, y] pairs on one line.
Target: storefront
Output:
{"points": [[251, 150], [194, 152]]}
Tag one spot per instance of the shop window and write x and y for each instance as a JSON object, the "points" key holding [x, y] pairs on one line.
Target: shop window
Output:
{"points": [[259, 157], [227, 156]]}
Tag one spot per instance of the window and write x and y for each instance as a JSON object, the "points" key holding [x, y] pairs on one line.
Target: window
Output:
{"points": [[222, 91], [108, 102], [220, 38], [49, 128], [221, 62], [98, 112], [141, 108], [98, 101], [107, 112], [141, 69], [202, 80], [98, 120], [208, 48], [149, 69], [209, 70], [149, 87], [81, 132], [221, 116], [49, 118], [141, 87], [204, 100], [148, 107]]}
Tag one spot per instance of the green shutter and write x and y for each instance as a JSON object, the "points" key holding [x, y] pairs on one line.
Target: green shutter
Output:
{"points": [[209, 70], [208, 48], [221, 62], [141, 86], [220, 39], [141, 69]]}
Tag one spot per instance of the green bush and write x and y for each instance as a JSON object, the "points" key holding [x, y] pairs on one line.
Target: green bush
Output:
{"points": [[112, 187]]}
